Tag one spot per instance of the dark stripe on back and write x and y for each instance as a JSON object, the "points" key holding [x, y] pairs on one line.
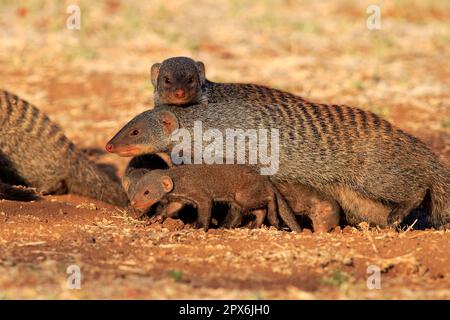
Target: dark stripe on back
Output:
{"points": [[34, 115], [309, 123]]}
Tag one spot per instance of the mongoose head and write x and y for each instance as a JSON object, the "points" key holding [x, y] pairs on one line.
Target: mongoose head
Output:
{"points": [[150, 189], [130, 180], [178, 81], [148, 132]]}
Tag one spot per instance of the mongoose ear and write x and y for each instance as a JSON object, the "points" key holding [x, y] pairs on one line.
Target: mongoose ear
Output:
{"points": [[166, 183], [201, 70], [169, 122], [126, 183], [154, 71]]}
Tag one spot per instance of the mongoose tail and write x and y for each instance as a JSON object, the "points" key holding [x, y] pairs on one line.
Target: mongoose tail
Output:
{"points": [[85, 179], [36, 150]]}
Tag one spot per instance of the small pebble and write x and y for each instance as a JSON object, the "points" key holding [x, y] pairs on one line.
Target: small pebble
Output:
{"points": [[337, 230], [347, 230]]}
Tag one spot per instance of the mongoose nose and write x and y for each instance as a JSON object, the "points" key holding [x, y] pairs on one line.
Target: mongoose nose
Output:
{"points": [[109, 147], [179, 93]]}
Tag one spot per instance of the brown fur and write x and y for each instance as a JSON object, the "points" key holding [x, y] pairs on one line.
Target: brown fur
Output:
{"points": [[323, 211], [201, 185], [178, 81], [35, 152], [321, 146]]}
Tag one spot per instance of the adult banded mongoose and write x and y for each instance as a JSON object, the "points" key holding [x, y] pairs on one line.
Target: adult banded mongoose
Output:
{"points": [[375, 171], [178, 81], [181, 81], [36, 153], [202, 185]]}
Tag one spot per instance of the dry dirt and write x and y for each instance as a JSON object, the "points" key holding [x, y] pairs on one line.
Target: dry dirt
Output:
{"points": [[93, 80]]}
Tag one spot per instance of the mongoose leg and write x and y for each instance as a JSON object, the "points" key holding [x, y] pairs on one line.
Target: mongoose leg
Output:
{"points": [[358, 208], [204, 207], [325, 216], [272, 215], [52, 187], [286, 213], [172, 208], [233, 217], [402, 210], [260, 215]]}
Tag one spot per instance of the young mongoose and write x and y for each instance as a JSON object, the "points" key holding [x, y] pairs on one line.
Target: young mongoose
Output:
{"points": [[35, 152], [375, 171], [323, 211], [201, 185], [141, 165], [138, 167]]}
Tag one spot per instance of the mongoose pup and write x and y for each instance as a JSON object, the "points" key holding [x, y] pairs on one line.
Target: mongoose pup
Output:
{"points": [[375, 171], [201, 185], [323, 211], [141, 165], [38, 154]]}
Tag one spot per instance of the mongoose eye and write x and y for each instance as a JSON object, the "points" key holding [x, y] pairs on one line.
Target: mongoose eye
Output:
{"points": [[190, 80], [135, 132], [166, 80], [146, 193]]}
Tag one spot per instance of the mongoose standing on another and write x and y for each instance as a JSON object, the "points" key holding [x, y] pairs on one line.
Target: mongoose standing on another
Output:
{"points": [[181, 81], [201, 185], [34, 151], [353, 156]]}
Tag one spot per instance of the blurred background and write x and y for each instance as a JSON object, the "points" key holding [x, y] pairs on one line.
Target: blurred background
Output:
{"points": [[93, 79]]}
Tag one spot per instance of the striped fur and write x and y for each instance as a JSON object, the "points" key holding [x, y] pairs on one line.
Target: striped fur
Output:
{"points": [[341, 151], [35, 152]]}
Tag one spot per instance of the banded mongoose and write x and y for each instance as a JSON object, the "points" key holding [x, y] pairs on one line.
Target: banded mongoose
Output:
{"points": [[181, 81], [375, 171], [138, 167], [141, 165], [202, 185], [36, 153], [178, 81]]}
